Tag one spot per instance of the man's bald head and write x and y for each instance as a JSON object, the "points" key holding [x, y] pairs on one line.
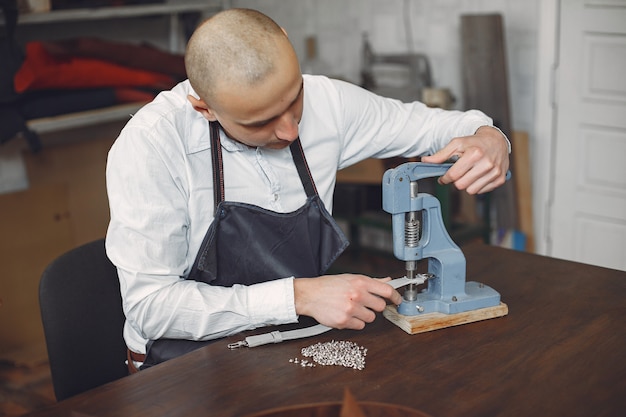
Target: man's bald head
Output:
{"points": [[236, 47]]}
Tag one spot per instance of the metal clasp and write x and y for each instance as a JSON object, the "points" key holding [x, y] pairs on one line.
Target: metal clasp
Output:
{"points": [[425, 276], [235, 345]]}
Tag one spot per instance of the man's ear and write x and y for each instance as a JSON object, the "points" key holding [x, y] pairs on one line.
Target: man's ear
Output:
{"points": [[201, 107]]}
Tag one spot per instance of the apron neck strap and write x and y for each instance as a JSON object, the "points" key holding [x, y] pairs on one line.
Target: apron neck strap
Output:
{"points": [[218, 165], [297, 153]]}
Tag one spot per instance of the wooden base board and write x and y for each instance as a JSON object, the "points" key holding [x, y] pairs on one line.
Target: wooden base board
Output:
{"points": [[433, 321]]}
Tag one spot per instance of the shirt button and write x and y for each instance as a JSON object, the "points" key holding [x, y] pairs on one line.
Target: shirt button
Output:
{"points": [[275, 196]]}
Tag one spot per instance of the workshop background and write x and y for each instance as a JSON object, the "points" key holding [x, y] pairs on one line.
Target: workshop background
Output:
{"points": [[557, 78]]}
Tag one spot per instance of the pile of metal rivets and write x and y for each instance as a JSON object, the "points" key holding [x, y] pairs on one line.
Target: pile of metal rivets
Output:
{"points": [[342, 353]]}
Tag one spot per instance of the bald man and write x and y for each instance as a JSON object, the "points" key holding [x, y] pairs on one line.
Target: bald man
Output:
{"points": [[221, 189]]}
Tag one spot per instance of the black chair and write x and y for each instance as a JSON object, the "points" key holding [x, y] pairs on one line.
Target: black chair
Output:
{"points": [[81, 310]]}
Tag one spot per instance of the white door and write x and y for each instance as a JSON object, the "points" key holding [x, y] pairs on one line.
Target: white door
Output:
{"points": [[588, 215]]}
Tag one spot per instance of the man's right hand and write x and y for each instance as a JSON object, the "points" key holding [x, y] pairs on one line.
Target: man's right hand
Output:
{"points": [[345, 301]]}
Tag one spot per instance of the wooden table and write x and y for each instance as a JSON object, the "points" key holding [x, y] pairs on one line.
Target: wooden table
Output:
{"points": [[561, 351]]}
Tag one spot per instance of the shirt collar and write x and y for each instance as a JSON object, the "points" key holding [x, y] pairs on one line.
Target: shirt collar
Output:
{"points": [[231, 145]]}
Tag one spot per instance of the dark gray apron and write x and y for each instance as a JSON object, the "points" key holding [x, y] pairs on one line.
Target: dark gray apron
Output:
{"points": [[247, 244]]}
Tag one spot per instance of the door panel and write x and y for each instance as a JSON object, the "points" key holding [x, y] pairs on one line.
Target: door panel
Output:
{"points": [[588, 214]]}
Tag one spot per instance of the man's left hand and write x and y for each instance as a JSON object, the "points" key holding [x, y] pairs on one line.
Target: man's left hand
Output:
{"points": [[483, 161]]}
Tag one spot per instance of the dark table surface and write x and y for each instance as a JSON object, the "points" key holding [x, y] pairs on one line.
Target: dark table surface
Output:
{"points": [[561, 351]]}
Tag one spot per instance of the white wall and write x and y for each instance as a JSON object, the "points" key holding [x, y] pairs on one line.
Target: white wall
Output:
{"points": [[435, 30]]}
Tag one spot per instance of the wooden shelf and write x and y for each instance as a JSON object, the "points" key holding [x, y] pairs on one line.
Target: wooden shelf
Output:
{"points": [[170, 10], [98, 13], [85, 118]]}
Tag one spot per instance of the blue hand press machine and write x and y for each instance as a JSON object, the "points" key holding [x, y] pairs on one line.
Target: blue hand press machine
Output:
{"points": [[419, 233]]}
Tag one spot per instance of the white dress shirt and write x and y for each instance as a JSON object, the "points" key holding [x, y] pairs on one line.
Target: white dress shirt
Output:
{"points": [[160, 187]]}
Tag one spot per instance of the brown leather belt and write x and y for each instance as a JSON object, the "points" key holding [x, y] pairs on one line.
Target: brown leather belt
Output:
{"points": [[133, 357]]}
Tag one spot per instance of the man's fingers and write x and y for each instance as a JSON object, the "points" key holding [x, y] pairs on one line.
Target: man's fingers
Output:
{"points": [[438, 158], [387, 292], [442, 156]]}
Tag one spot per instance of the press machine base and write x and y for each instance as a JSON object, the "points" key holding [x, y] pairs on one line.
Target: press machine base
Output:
{"points": [[434, 321], [419, 233]]}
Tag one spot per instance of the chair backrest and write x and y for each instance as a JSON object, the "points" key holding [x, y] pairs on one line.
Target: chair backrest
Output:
{"points": [[81, 309]]}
